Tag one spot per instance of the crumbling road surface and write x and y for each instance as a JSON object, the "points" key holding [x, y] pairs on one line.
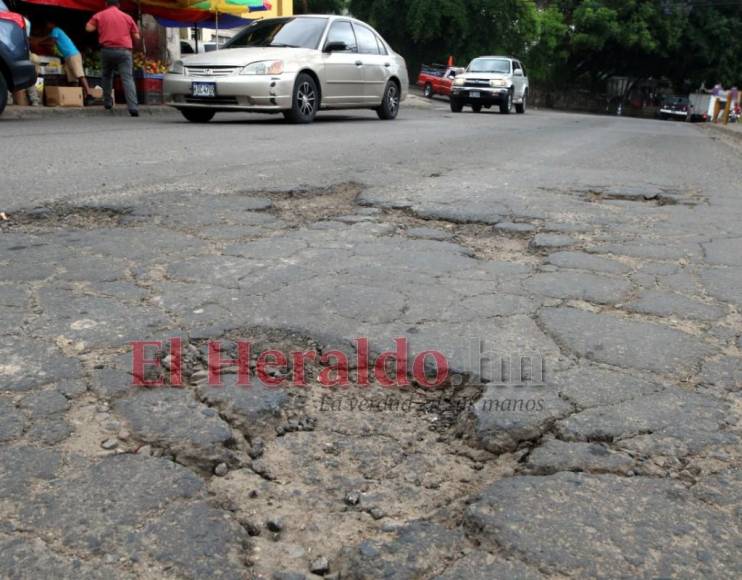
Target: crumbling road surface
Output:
{"points": [[598, 248]]}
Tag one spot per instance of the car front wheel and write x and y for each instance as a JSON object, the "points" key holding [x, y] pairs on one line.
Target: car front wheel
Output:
{"points": [[198, 115], [507, 106], [520, 108], [305, 102], [428, 91], [390, 105], [456, 106]]}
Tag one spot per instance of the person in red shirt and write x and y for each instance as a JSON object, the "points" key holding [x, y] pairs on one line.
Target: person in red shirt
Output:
{"points": [[117, 32]]}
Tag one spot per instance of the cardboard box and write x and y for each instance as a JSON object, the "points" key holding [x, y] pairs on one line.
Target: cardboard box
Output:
{"points": [[20, 98], [63, 96]]}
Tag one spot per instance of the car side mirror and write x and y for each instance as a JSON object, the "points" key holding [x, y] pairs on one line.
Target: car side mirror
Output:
{"points": [[337, 46], [518, 73]]}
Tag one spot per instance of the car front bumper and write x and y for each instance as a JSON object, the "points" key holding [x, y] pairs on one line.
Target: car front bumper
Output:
{"points": [[22, 74], [233, 93], [487, 95], [674, 113]]}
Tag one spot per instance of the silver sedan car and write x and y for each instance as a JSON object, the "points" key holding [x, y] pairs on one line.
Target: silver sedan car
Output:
{"points": [[295, 66]]}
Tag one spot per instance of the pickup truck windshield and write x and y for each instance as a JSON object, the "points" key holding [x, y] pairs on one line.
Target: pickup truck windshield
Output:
{"points": [[281, 32], [490, 65]]}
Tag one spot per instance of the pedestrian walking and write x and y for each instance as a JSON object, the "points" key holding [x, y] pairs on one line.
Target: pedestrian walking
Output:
{"points": [[117, 32]]}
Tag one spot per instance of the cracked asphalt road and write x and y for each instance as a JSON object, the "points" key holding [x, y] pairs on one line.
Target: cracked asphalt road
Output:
{"points": [[609, 248]]}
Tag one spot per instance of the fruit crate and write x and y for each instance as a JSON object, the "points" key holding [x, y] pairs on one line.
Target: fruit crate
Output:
{"points": [[149, 88]]}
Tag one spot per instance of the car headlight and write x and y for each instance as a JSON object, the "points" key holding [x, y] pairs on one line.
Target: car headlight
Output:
{"points": [[263, 67], [459, 82], [177, 68], [499, 83]]}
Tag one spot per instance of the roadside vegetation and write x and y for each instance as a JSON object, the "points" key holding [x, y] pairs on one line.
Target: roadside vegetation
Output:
{"points": [[566, 42]]}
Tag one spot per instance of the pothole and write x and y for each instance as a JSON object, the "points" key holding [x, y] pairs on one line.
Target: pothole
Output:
{"points": [[63, 216], [646, 195], [332, 466], [302, 206], [486, 242]]}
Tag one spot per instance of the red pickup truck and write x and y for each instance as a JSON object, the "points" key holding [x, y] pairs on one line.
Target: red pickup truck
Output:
{"points": [[437, 80]]}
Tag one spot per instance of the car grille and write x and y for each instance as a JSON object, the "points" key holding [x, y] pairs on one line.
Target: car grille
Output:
{"points": [[212, 71], [476, 83]]}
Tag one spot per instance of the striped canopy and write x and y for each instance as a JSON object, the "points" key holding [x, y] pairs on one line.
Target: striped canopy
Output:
{"points": [[185, 11]]}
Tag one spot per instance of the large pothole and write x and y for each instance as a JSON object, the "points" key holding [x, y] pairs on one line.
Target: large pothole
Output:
{"points": [[64, 216], [303, 206], [316, 468]]}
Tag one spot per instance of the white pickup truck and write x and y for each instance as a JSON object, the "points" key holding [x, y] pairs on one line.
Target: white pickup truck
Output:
{"points": [[488, 81]]}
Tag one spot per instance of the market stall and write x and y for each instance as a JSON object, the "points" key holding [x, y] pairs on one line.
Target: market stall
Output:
{"points": [[151, 57]]}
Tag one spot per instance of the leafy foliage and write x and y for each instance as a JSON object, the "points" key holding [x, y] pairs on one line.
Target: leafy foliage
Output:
{"points": [[319, 6], [567, 41]]}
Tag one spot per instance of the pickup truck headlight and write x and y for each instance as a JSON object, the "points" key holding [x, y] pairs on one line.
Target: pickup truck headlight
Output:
{"points": [[177, 68], [459, 82], [263, 67], [499, 83]]}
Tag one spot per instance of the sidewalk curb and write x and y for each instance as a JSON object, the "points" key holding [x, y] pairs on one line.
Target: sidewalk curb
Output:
{"points": [[20, 113], [28, 113], [722, 130], [417, 102]]}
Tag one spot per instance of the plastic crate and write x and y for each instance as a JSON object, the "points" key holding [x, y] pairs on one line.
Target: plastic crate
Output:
{"points": [[149, 88]]}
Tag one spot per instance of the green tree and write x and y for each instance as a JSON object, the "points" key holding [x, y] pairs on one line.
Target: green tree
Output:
{"points": [[564, 42], [710, 49], [319, 6], [548, 56], [431, 30]]}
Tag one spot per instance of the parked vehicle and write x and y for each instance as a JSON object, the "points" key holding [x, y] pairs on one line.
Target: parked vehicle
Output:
{"points": [[674, 107], [490, 81], [295, 66], [17, 72], [437, 80], [701, 106]]}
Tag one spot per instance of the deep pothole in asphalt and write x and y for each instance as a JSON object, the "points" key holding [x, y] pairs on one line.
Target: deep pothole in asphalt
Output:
{"points": [[330, 467], [63, 215], [302, 206]]}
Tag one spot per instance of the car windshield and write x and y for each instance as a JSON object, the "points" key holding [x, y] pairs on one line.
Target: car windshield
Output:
{"points": [[283, 32], [676, 101], [490, 65]]}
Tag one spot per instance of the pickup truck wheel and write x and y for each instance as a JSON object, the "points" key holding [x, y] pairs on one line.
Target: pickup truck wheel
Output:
{"points": [[428, 91], [3, 93], [305, 102], [456, 106], [198, 115], [476, 108], [507, 106], [390, 105], [520, 108]]}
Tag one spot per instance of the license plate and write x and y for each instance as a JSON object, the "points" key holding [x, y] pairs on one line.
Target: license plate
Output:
{"points": [[203, 89], [474, 94]]}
